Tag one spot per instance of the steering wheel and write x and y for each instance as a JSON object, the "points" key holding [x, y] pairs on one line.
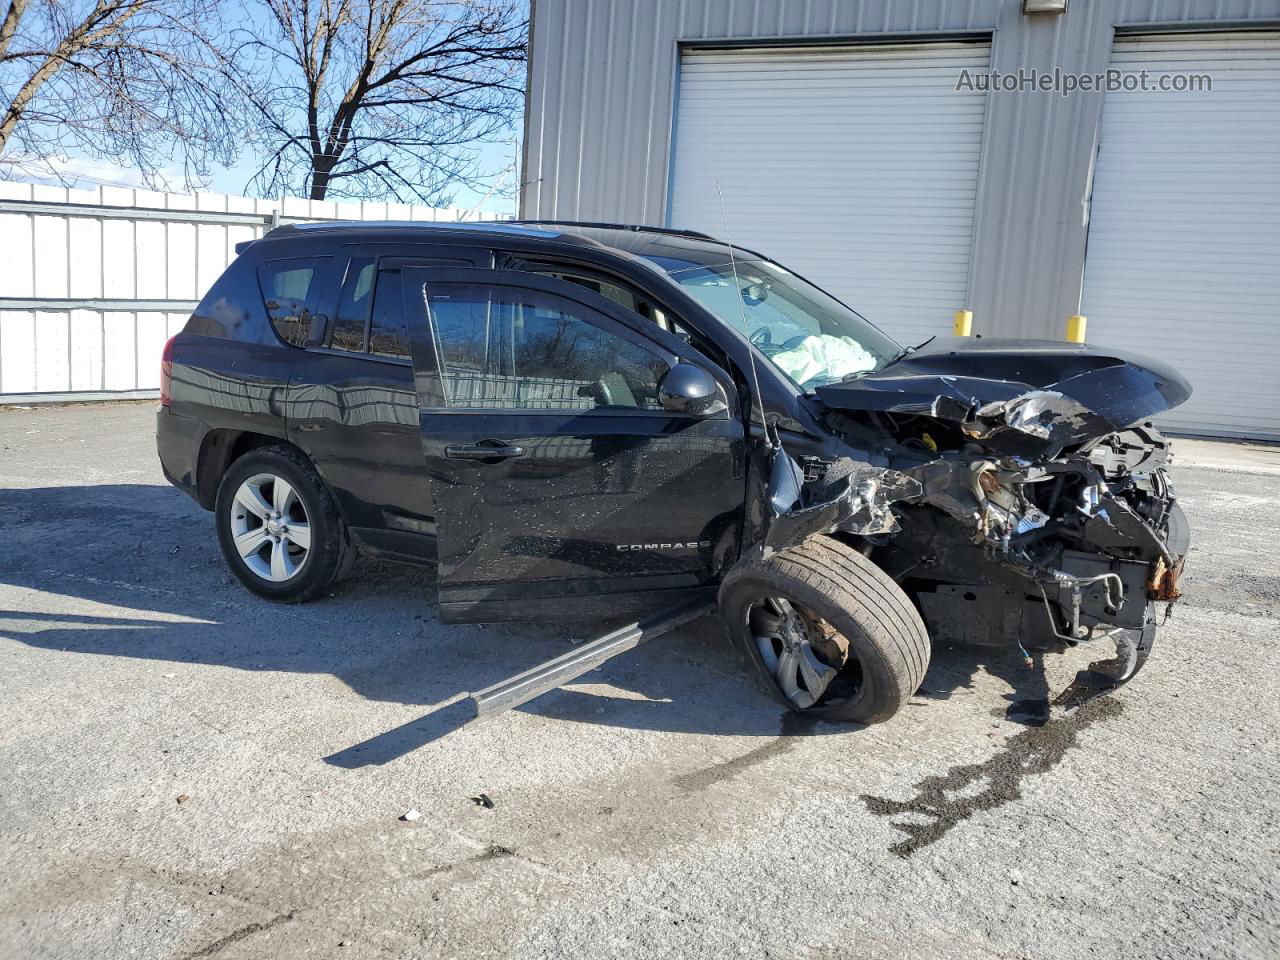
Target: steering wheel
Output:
{"points": [[761, 338]]}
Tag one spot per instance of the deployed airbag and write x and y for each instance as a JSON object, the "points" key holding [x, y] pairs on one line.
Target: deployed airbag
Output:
{"points": [[823, 357]]}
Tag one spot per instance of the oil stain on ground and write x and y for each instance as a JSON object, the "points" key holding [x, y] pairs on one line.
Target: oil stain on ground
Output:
{"points": [[794, 726], [945, 801]]}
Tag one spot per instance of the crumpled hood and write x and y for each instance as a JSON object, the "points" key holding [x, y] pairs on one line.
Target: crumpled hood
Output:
{"points": [[1058, 392]]}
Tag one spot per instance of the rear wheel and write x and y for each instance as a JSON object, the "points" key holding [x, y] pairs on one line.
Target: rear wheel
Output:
{"points": [[827, 631], [278, 526]]}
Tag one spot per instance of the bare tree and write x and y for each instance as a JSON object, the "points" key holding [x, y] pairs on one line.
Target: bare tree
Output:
{"points": [[133, 81], [384, 98]]}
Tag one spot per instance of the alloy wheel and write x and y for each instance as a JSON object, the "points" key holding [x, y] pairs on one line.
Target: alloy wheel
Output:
{"points": [[270, 527], [801, 651]]}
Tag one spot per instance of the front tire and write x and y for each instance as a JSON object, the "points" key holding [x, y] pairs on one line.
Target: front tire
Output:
{"points": [[278, 526], [827, 631]]}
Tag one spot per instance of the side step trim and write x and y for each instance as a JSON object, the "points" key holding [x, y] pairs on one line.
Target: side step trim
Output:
{"points": [[545, 677]]}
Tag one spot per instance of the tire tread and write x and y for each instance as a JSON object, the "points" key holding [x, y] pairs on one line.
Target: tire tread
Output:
{"points": [[334, 553], [846, 580]]}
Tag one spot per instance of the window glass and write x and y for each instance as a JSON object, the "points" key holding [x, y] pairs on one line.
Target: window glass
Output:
{"points": [[388, 334], [626, 297], [462, 331], [806, 333], [353, 306], [290, 289], [520, 349]]}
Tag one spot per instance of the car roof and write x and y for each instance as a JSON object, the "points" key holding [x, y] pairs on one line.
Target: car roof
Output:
{"points": [[675, 248]]}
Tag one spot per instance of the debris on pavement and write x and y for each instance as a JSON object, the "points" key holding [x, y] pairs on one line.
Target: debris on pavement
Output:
{"points": [[483, 801], [412, 814]]}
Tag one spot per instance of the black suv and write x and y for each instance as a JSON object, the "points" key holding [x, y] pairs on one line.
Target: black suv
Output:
{"points": [[587, 420]]}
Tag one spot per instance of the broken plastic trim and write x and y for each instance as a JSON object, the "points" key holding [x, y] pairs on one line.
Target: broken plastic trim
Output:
{"points": [[857, 500]]}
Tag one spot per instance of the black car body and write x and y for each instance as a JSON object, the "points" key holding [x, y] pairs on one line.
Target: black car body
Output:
{"points": [[500, 401]]}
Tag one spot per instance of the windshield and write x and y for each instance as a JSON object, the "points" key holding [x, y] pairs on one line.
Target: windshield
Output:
{"points": [[807, 334]]}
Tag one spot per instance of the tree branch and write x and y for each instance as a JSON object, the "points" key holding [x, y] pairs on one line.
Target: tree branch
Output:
{"points": [[393, 96]]}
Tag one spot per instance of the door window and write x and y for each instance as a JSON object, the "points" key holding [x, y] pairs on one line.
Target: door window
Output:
{"points": [[504, 348], [388, 334], [353, 306], [290, 289], [626, 297]]}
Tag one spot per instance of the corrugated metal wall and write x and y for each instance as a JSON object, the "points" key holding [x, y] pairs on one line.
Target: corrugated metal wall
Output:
{"points": [[92, 282], [602, 97]]}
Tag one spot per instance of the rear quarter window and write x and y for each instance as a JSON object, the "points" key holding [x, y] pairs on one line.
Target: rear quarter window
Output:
{"points": [[290, 291]]}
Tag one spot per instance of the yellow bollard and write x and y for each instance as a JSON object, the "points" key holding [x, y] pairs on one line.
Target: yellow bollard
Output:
{"points": [[1075, 328], [964, 323]]}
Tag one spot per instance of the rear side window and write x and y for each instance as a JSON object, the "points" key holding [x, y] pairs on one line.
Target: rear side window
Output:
{"points": [[290, 291]]}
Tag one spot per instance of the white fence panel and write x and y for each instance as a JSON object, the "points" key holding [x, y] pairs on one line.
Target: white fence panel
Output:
{"points": [[92, 282]]}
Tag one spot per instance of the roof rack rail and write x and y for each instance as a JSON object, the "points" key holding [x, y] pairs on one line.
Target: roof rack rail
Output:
{"points": [[635, 227]]}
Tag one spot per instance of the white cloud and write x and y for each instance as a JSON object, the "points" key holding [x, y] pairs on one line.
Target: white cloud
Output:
{"points": [[86, 171]]}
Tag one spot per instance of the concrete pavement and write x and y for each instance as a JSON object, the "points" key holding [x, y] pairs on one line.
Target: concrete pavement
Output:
{"points": [[189, 771]]}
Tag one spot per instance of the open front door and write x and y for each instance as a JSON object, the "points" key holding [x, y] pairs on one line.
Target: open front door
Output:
{"points": [[562, 486]]}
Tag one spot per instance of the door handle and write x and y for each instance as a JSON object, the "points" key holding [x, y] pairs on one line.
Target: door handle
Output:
{"points": [[491, 450]]}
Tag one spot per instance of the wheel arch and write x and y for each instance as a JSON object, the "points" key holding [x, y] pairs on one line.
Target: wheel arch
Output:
{"points": [[220, 448]]}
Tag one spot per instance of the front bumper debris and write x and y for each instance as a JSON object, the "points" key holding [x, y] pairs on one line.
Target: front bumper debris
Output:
{"points": [[1065, 548]]}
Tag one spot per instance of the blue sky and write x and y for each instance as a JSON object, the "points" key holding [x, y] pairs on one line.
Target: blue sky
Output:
{"points": [[79, 169], [84, 171]]}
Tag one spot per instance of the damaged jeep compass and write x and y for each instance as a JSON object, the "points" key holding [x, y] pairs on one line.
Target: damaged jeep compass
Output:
{"points": [[591, 420]]}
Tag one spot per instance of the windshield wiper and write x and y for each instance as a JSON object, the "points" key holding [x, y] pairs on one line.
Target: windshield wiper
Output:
{"points": [[904, 352], [907, 351]]}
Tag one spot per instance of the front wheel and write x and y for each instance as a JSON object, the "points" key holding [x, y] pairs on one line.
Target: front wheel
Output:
{"points": [[827, 631], [278, 526]]}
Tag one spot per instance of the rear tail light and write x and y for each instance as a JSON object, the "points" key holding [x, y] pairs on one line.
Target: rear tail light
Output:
{"points": [[166, 373]]}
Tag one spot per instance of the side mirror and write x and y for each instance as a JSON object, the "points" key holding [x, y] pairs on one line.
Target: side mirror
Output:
{"points": [[316, 330], [689, 389]]}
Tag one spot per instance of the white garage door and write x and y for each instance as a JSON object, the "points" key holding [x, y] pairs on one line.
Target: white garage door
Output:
{"points": [[856, 166], [1184, 239]]}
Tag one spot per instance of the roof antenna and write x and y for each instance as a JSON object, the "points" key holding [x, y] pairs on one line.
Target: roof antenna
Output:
{"points": [[785, 480], [751, 351]]}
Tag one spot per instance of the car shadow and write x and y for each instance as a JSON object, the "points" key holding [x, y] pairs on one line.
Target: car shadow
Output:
{"points": [[133, 570]]}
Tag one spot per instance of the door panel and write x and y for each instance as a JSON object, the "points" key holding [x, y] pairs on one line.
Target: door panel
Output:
{"points": [[610, 504], [353, 406], [357, 418]]}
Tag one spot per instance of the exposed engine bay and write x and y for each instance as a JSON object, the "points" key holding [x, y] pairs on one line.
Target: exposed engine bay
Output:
{"points": [[1031, 510]]}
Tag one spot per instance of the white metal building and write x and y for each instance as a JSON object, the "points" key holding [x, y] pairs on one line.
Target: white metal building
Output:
{"points": [[845, 142], [92, 282]]}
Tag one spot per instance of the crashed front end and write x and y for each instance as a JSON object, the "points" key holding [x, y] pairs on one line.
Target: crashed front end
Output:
{"points": [[1014, 488]]}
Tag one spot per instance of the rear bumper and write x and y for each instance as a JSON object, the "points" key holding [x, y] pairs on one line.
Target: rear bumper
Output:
{"points": [[178, 442]]}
